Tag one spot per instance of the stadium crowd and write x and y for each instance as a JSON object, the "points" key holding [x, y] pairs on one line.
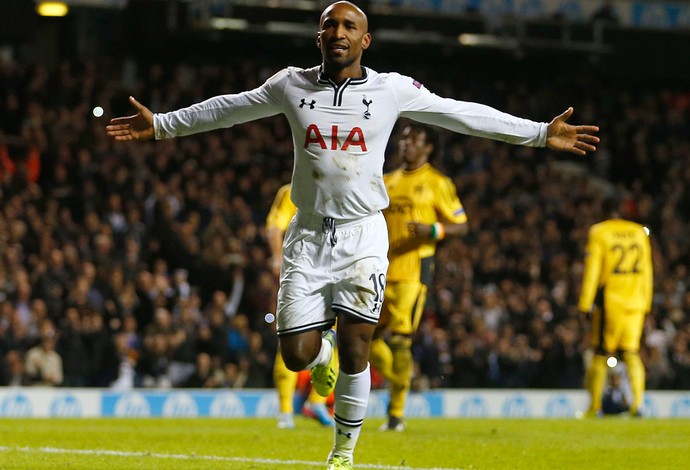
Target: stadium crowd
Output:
{"points": [[146, 265]]}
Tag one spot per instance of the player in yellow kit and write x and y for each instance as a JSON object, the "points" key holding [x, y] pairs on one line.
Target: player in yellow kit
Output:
{"points": [[617, 292], [424, 209], [285, 380]]}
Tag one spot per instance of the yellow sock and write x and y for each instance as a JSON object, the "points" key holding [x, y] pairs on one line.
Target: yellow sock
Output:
{"points": [[315, 397], [595, 381], [285, 381], [402, 372], [636, 375], [381, 357]]}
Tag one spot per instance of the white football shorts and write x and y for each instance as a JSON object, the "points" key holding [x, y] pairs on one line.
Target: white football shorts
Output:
{"points": [[331, 267]]}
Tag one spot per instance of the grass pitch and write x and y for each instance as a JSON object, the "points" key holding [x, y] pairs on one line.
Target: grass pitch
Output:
{"points": [[209, 443]]}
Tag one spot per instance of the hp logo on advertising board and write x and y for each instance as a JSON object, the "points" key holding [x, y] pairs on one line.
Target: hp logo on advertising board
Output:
{"points": [[132, 405], [417, 406], [681, 408], [517, 406], [16, 405], [559, 406], [267, 406], [227, 405], [180, 405], [66, 406], [474, 406]]}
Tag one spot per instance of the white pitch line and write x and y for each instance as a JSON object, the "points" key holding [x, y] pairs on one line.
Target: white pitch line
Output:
{"points": [[215, 458]]}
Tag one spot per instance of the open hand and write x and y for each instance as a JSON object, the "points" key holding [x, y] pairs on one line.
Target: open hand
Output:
{"points": [[136, 127], [565, 137]]}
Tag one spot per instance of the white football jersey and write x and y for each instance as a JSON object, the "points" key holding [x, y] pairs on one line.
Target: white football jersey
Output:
{"points": [[340, 132]]}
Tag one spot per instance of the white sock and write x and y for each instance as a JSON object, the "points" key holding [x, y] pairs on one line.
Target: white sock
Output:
{"points": [[323, 357], [351, 399]]}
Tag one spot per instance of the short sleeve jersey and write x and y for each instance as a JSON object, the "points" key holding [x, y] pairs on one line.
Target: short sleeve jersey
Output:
{"points": [[423, 195], [340, 131], [619, 261]]}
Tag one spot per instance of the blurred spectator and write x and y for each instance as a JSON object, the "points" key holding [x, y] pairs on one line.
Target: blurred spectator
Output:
{"points": [[469, 366], [205, 375], [43, 363], [153, 365], [235, 377], [434, 356], [127, 356], [238, 335], [615, 399], [680, 361], [73, 351], [260, 363], [12, 370]]}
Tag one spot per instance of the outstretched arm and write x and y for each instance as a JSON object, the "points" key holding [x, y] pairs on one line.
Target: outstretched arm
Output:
{"points": [[565, 137], [136, 127]]}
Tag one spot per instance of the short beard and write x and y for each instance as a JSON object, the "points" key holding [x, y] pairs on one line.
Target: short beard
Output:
{"points": [[335, 64]]}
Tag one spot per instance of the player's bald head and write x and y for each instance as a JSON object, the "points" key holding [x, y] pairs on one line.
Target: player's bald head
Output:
{"points": [[345, 6]]}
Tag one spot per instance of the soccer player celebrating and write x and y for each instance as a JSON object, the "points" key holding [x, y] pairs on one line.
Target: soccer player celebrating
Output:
{"points": [[341, 115], [618, 277], [424, 208], [279, 216]]}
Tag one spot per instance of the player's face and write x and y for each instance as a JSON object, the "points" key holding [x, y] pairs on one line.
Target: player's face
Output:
{"points": [[343, 35], [413, 148]]}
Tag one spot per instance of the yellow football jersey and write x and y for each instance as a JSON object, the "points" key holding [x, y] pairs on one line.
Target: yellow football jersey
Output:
{"points": [[282, 210], [619, 261], [423, 195]]}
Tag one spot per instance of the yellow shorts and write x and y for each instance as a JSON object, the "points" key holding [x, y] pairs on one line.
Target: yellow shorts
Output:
{"points": [[403, 306], [616, 330]]}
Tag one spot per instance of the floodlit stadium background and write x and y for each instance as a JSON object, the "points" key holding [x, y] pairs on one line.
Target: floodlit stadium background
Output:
{"points": [[64, 77]]}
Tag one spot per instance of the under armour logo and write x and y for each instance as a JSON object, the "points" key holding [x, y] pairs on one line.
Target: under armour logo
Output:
{"points": [[304, 103], [346, 434], [367, 114]]}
